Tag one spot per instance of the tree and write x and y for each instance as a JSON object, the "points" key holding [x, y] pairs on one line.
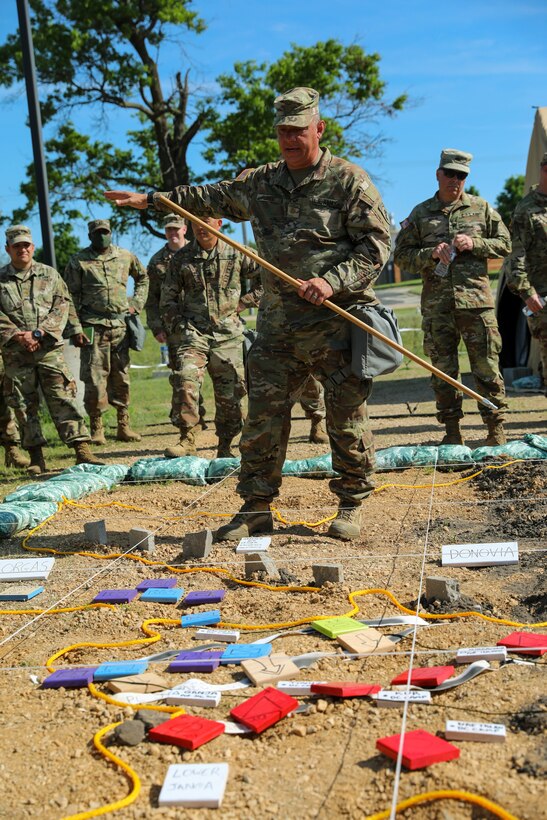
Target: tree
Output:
{"points": [[353, 100], [509, 198], [104, 55], [472, 190]]}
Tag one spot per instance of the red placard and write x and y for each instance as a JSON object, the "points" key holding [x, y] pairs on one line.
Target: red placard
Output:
{"points": [[420, 749], [426, 676], [187, 731], [345, 689], [264, 709], [517, 641]]}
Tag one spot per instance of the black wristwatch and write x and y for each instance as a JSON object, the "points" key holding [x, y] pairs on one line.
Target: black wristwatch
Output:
{"points": [[37, 334], [150, 199]]}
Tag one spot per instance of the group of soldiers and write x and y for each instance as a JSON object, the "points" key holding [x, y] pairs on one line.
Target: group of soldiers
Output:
{"points": [[319, 218]]}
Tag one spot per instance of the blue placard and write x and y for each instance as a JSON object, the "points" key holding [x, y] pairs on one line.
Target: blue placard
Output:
{"points": [[162, 596], [209, 618], [238, 652], [119, 669]]}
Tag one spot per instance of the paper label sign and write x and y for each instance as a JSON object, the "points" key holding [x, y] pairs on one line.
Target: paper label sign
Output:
{"points": [[25, 569], [480, 555], [192, 697], [194, 785], [254, 544], [486, 732], [386, 697], [223, 635], [476, 653], [297, 688]]}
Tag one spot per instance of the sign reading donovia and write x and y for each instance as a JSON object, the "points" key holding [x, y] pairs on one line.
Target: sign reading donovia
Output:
{"points": [[480, 555]]}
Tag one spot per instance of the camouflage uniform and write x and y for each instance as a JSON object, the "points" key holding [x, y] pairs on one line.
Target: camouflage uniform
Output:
{"points": [[528, 271], [98, 285], [9, 432], [312, 400], [157, 270], [459, 305], [330, 224], [198, 304], [31, 299]]}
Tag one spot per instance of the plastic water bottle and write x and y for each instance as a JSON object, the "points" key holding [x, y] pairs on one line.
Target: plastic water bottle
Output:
{"points": [[164, 353], [526, 310], [441, 268]]}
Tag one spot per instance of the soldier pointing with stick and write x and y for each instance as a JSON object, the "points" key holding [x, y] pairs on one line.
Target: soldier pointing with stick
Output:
{"points": [[321, 219]]}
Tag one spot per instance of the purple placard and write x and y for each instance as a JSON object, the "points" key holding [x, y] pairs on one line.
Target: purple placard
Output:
{"points": [[205, 596], [115, 596], [157, 583], [70, 678], [195, 662]]}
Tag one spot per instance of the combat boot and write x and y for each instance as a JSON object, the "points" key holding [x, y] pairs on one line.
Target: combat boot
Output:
{"points": [[318, 434], [223, 450], [125, 433], [186, 445], [253, 517], [347, 524], [37, 462], [496, 433], [453, 433], [84, 453], [14, 457], [97, 429]]}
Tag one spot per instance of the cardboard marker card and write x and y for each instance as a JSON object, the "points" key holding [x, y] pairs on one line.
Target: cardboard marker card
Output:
{"points": [[270, 669], [485, 732], [480, 555], [366, 641], [194, 785]]}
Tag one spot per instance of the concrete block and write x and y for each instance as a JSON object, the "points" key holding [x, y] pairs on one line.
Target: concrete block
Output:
{"points": [[198, 544], [142, 539], [438, 588], [328, 572], [511, 374], [260, 562], [95, 532]]}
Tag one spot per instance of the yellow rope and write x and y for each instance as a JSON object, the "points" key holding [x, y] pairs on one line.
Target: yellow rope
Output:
{"points": [[446, 794]]}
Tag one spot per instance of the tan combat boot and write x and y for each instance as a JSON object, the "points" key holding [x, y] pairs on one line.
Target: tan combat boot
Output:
{"points": [[453, 433], [254, 516], [186, 445], [37, 461], [125, 433], [84, 453], [318, 434], [223, 450], [14, 457], [97, 429], [496, 433], [347, 524]]}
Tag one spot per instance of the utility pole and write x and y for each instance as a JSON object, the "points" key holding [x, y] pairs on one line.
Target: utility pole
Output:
{"points": [[36, 132]]}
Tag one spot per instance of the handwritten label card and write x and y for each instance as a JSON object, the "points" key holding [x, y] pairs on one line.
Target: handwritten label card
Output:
{"points": [[194, 785], [480, 555], [25, 569]]}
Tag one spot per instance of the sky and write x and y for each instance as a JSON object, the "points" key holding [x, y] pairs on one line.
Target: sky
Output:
{"points": [[473, 70]]}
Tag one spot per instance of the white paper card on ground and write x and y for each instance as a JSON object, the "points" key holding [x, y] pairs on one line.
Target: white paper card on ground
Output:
{"points": [[480, 555], [297, 688], [192, 697], [395, 620], [194, 785], [254, 544], [25, 569], [387, 697], [477, 653], [224, 635], [485, 732]]}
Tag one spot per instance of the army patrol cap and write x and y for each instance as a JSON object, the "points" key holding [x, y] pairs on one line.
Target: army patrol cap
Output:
{"points": [[98, 225], [454, 160], [174, 221], [18, 233], [296, 107], [544, 159]]}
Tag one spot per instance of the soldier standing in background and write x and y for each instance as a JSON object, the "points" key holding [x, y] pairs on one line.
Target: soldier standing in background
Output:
{"points": [[97, 280], [527, 276], [204, 291], [9, 432], [312, 401], [319, 218], [448, 240], [175, 233], [35, 312]]}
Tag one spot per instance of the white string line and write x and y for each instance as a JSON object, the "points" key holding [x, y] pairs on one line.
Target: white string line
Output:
{"points": [[102, 571], [398, 766]]}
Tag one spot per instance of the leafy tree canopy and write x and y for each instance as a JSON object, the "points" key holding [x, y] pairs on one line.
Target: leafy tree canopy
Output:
{"points": [[472, 190], [509, 197]]}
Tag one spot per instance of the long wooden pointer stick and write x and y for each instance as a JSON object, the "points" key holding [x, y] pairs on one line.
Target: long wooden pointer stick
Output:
{"points": [[327, 303]]}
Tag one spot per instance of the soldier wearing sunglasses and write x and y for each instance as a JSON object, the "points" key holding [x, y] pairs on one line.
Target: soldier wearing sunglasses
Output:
{"points": [[447, 240]]}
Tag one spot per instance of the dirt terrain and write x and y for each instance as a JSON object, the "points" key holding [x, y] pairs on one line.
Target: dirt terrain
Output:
{"points": [[323, 763]]}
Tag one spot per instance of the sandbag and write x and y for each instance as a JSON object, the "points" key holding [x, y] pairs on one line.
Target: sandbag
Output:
{"points": [[220, 467], [540, 442], [317, 467], [23, 515], [511, 450], [191, 469]]}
